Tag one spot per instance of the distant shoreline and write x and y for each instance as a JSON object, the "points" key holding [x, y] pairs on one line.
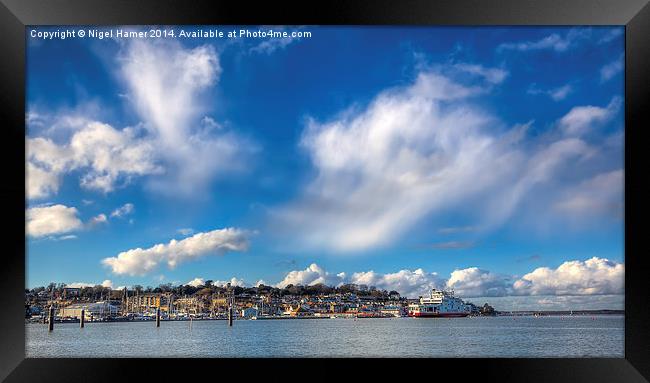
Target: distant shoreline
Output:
{"points": [[561, 312], [499, 314]]}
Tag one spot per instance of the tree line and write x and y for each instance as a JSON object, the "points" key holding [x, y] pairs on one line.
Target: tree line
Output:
{"points": [[101, 292]]}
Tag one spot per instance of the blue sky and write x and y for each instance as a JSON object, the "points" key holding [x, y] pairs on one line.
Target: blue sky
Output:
{"points": [[488, 160]]}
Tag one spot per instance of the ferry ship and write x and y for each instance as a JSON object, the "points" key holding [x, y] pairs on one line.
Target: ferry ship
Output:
{"points": [[440, 304]]}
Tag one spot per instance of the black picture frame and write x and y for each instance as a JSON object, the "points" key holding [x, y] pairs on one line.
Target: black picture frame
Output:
{"points": [[16, 14]]}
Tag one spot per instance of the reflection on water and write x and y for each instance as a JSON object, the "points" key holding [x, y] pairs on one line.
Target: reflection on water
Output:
{"points": [[599, 336]]}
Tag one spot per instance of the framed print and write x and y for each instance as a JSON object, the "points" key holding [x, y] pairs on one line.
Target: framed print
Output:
{"points": [[216, 185]]}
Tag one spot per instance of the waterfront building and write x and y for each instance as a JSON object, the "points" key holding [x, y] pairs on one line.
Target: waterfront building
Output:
{"points": [[147, 302], [189, 305], [298, 310], [97, 310]]}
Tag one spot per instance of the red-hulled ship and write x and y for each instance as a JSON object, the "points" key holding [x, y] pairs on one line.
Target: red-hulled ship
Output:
{"points": [[440, 304]]}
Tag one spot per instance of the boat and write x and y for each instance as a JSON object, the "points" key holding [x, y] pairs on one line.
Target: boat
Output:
{"points": [[439, 304]]}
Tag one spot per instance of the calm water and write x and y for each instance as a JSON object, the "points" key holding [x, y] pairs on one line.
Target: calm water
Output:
{"points": [[599, 336]]}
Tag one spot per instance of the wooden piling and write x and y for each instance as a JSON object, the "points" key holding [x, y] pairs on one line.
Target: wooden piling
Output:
{"points": [[51, 322], [83, 318], [158, 317], [230, 315]]}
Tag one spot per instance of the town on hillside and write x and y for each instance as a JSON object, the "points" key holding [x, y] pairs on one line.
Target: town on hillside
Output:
{"points": [[210, 301]]}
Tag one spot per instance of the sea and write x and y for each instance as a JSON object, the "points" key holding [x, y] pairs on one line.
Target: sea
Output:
{"points": [[491, 337]]}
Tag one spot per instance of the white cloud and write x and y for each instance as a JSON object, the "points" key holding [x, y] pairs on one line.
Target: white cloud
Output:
{"points": [[106, 283], [611, 35], [104, 154], [560, 93], [591, 277], [556, 94], [273, 44], [312, 275], [66, 237], [165, 79], [413, 152], [611, 69], [196, 282], [142, 261], [123, 210], [167, 84], [554, 42], [427, 87], [457, 229], [407, 282], [491, 75], [580, 119], [209, 123], [81, 284], [260, 282], [410, 283], [34, 119], [50, 220], [595, 276], [40, 182], [539, 169], [98, 220], [381, 170], [475, 282], [233, 282], [185, 231]]}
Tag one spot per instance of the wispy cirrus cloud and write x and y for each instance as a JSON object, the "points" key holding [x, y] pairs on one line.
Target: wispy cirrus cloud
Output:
{"points": [[493, 76], [457, 229], [556, 42], [185, 231], [611, 35], [580, 119], [556, 94], [123, 210], [194, 153], [272, 45], [599, 195], [375, 167], [417, 150], [98, 220], [608, 71]]}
